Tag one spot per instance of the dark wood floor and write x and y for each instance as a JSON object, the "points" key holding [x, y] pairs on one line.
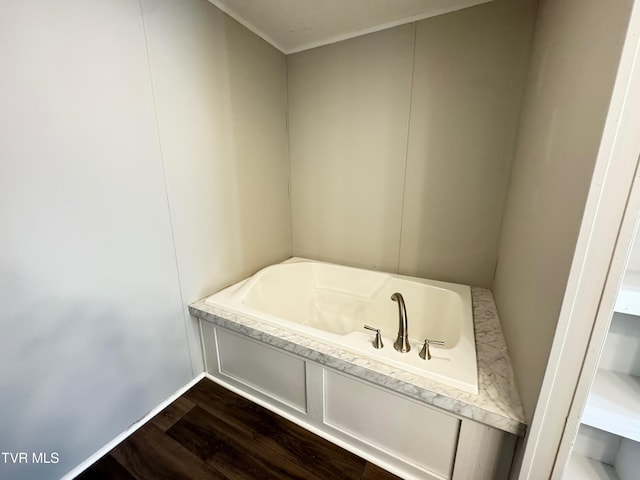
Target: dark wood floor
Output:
{"points": [[212, 433]]}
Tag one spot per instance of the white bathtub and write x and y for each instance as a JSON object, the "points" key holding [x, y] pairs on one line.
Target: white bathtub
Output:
{"points": [[331, 303]]}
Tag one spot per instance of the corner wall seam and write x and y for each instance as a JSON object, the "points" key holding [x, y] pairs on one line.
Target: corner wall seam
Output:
{"points": [[406, 150], [183, 307], [288, 135]]}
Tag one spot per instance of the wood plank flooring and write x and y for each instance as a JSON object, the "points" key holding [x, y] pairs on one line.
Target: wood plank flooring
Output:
{"points": [[212, 433]]}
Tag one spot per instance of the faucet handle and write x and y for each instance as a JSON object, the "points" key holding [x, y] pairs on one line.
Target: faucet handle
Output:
{"points": [[425, 353], [377, 342]]}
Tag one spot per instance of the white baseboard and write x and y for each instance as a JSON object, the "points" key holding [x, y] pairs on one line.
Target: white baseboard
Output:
{"points": [[112, 444]]}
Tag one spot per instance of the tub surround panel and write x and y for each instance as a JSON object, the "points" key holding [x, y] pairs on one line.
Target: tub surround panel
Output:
{"points": [[468, 82], [402, 140], [348, 115], [497, 403]]}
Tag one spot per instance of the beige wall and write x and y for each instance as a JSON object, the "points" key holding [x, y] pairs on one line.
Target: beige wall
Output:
{"points": [[221, 99], [400, 159], [470, 70], [127, 190], [576, 50], [348, 119]]}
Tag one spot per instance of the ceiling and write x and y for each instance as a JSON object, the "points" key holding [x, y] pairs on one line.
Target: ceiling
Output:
{"points": [[295, 25]]}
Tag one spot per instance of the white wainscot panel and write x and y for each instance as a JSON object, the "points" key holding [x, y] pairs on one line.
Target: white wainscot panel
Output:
{"points": [[414, 433], [278, 374]]}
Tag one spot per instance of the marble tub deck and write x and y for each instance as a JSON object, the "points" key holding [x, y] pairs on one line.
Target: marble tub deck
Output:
{"points": [[497, 403]]}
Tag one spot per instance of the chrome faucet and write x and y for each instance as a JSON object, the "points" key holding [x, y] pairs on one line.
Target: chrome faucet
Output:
{"points": [[402, 341]]}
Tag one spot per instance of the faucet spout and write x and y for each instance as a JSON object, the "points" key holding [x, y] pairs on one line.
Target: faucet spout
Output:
{"points": [[402, 341]]}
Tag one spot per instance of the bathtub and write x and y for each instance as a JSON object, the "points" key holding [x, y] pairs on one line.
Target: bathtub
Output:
{"points": [[332, 303]]}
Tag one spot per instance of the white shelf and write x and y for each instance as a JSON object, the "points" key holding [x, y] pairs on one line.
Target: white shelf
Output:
{"points": [[614, 404], [628, 300], [583, 468]]}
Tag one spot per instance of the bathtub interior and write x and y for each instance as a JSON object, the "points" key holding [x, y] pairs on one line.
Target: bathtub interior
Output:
{"points": [[341, 300], [332, 303]]}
